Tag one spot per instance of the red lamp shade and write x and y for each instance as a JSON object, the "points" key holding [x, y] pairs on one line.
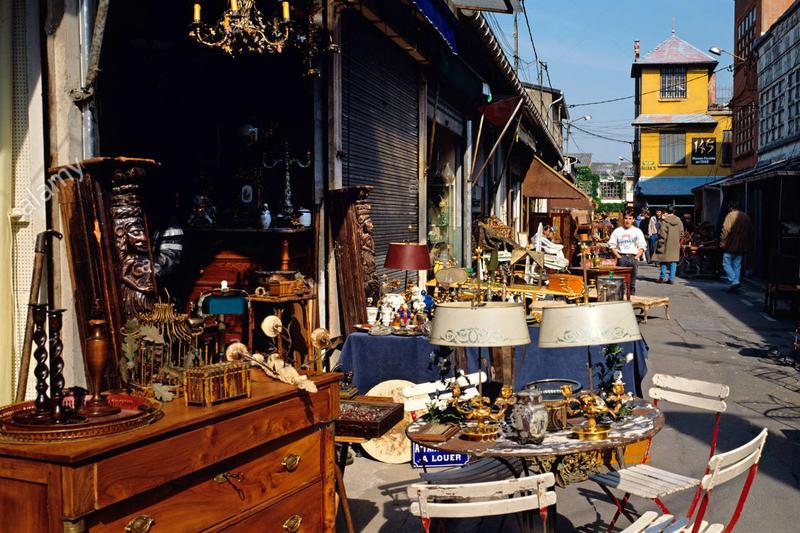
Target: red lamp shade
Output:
{"points": [[407, 256]]}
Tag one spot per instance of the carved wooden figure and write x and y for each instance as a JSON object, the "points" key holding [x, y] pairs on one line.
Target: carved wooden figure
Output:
{"points": [[108, 245]]}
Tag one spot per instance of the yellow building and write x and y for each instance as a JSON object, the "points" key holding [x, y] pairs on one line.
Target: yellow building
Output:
{"points": [[683, 135]]}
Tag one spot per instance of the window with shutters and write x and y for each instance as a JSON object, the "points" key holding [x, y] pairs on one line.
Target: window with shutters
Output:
{"points": [[672, 148], [673, 83]]}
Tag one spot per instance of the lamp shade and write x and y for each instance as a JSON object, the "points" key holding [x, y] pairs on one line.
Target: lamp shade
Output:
{"points": [[483, 325], [407, 256], [588, 325]]}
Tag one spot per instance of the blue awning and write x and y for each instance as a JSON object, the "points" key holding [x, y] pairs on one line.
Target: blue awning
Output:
{"points": [[671, 185], [441, 18]]}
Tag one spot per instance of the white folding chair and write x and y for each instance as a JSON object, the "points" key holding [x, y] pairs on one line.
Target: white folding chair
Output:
{"points": [[482, 499], [654, 483], [722, 468]]}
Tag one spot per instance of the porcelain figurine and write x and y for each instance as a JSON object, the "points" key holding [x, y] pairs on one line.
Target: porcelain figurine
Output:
{"points": [[266, 216]]}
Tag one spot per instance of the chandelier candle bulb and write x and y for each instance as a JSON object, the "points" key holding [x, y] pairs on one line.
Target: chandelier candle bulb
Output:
{"points": [[197, 13], [234, 5], [285, 6]]}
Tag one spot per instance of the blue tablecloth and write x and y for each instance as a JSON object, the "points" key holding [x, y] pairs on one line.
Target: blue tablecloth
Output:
{"points": [[374, 359]]}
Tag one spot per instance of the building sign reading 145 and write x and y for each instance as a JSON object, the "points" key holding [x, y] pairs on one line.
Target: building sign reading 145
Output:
{"points": [[704, 151]]}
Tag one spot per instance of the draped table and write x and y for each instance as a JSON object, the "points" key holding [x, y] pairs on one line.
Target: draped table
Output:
{"points": [[373, 359]]}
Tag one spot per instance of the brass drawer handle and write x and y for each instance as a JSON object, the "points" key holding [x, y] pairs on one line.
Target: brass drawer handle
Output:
{"points": [[292, 524], [291, 462], [227, 477], [140, 524]]}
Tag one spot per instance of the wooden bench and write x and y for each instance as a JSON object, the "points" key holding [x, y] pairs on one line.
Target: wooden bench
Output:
{"points": [[645, 303]]}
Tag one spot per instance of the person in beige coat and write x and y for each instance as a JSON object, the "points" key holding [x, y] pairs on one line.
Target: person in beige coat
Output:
{"points": [[668, 246], [734, 241]]}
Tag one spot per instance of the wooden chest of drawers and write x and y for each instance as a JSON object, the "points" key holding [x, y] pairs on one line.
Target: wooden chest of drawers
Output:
{"points": [[258, 464]]}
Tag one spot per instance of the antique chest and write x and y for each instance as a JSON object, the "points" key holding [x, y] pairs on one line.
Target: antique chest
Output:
{"points": [[263, 463]]}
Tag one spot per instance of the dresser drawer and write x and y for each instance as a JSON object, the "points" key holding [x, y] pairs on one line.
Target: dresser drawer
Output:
{"points": [[298, 513], [224, 490], [136, 471]]}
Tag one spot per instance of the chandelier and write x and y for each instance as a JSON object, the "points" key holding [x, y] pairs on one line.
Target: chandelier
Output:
{"points": [[242, 29]]}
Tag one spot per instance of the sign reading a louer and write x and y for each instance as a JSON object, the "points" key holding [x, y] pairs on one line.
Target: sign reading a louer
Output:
{"points": [[428, 457]]}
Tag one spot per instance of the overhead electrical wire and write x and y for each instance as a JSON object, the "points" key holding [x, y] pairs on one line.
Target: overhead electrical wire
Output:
{"points": [[600, 136], [610, 100]]}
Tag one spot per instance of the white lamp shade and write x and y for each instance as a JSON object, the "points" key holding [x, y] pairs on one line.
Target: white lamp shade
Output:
{"points": [[486, 324], [588, 325]]}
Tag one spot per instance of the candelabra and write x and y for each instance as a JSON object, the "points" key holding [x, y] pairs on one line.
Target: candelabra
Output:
{"points": [[242, 28], [288, 209]]}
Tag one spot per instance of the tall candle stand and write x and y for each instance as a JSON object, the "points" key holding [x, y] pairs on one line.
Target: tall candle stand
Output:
{"points": [[54, 322], [41, 413], [287, 212]]}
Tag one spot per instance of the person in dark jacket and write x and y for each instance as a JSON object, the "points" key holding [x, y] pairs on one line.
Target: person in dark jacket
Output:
{"points": [[668, 246], [734, 241]]}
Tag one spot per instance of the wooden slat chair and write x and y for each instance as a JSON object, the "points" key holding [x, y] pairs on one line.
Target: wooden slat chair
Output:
{"points": [[722, 468], [653, 483], [482, 499]]}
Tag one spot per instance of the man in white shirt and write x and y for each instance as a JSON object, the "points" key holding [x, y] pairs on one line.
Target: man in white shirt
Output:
{"points": [[627, 243]]}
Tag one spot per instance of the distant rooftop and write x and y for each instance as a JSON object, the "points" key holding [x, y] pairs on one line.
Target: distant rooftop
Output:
{"points": [[582, 159], [674, 51], [612, 169]]}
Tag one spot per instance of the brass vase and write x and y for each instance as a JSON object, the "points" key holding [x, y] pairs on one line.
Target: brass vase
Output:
{"points": [[96, 359]]}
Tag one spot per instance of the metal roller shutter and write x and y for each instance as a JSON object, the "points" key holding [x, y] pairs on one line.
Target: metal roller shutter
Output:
{"points": [[380, 131]]}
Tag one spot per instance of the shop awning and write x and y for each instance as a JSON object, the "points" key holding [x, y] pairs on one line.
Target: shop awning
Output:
{"points": [[762, 171], [542, 181], [441, 18], [671, 185]]}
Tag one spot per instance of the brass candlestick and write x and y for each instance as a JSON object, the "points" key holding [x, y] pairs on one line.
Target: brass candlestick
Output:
{"points": [[96, 359], [486, 425]]}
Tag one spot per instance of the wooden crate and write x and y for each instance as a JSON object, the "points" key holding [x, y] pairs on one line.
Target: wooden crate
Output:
{"points": [[211, 384], [389, 414]]}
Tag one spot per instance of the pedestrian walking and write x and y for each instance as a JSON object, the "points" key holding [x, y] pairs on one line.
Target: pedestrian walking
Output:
{"points": [[668, 245], [734, 241], [643, 223], [627, 243], [652, 231]]}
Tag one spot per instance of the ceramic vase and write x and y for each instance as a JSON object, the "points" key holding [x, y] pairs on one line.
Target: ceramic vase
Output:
{"points": [[266, 217], [529, 417]]}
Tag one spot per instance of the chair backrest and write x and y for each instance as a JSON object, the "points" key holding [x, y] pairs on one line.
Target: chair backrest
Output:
{"points": [[724, 467], [418, 397], [484, 499], [690, 392]]}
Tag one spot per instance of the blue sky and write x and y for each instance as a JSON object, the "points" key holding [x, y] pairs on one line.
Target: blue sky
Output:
{"points": [[588, 47]]}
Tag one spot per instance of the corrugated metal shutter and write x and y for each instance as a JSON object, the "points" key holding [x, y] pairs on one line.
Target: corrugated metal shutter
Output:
{"points": [[380, 131]]}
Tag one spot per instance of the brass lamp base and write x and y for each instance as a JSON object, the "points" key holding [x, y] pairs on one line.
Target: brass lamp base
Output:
{"points": [[480, 432], [588, 432]]}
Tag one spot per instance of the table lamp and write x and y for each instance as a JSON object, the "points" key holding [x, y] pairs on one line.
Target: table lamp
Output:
{"points": [[588, 325], [480, 325], [407, 256]]}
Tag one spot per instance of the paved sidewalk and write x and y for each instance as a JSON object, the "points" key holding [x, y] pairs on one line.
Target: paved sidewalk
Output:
{"points": [[713, 336]]}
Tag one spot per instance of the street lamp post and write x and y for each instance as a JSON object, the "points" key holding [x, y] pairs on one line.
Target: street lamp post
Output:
{"points": [[570, 123], [717, 51]]}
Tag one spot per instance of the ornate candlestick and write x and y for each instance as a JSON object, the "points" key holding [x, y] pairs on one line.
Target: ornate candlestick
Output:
{"points": [[54, 322], [288, 209], [41, 415], [96, 359]]}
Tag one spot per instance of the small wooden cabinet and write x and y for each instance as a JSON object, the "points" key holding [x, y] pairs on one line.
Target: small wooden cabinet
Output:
{"points": [[259, 464]]}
